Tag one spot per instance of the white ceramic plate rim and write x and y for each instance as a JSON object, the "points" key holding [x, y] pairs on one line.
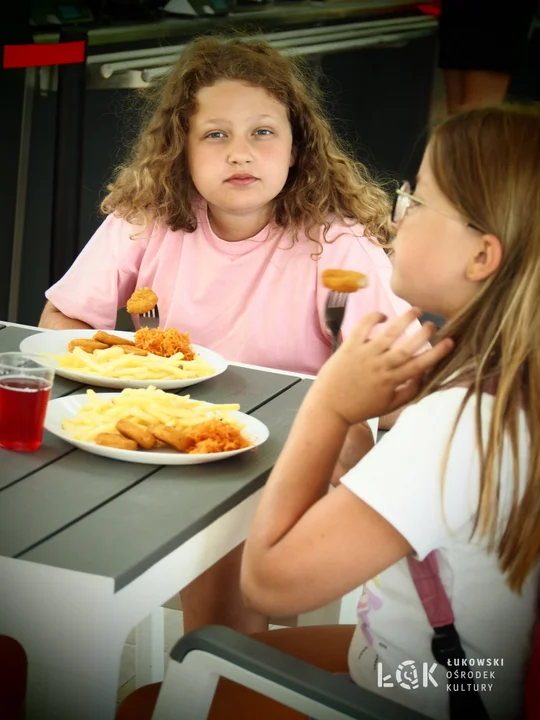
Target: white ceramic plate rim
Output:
{"points": [[66, 407], [56, 342]]}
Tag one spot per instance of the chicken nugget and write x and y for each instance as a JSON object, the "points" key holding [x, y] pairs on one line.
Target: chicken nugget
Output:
{"points": [[159, 443], [115, 440], [345, 281], [171, 436], [130, 350], [108, 339], [132, 430], [86, 344], [143, 300]]}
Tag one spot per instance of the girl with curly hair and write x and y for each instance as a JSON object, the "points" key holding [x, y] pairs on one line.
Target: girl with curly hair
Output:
{"points": [[237, 195]]}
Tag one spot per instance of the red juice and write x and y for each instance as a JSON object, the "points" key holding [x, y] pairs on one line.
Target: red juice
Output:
{"points": [[23, 404]]}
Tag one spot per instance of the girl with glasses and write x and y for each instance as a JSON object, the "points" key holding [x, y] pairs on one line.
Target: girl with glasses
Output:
{"points": [[455, 482], [457, 479]]}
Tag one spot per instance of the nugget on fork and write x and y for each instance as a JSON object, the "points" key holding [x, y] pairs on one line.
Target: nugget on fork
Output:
{"points": [[143, 300], [344, 281]]}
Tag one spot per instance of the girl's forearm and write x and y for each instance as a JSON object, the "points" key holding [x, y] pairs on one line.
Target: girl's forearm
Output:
{"points": [[358, 443], [302, 474], [53, 319]]}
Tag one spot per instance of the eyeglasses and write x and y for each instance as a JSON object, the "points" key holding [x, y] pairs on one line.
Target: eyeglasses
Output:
{"points": [[405, 200]]}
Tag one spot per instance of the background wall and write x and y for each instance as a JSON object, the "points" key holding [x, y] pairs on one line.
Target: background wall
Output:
{"points": [[381, 101]]}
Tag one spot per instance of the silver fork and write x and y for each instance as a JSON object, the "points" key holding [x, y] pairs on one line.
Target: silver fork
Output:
{"points": [[150, 319], [334, 312]]}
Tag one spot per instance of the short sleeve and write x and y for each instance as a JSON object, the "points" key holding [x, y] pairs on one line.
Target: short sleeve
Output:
{"points": [[402, 476], [353, 251], [103, 276]]}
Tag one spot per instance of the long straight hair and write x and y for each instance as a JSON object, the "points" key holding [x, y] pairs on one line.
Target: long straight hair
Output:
{"points": [[486, 161]]}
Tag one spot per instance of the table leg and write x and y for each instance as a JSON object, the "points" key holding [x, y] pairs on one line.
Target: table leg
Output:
{"points": [[73, 645], [73, 625], [56, 693]]}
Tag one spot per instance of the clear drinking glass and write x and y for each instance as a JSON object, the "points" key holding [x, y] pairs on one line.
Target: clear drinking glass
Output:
{"points": [[25, 387]]}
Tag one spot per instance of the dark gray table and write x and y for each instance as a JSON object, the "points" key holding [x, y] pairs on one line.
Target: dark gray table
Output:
{"points": [[89, 547]]}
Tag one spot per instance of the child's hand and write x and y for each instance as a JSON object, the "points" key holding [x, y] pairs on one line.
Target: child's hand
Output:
{"points": [[369, 378]]}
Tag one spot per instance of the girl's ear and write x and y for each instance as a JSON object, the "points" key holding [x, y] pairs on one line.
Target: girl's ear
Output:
{"points": [[293, 156], [485, 259]]}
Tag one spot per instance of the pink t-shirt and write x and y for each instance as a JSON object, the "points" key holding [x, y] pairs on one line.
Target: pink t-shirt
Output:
{"points": [[258, 301]]}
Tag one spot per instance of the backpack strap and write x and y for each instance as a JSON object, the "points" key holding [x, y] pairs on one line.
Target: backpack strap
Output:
{"points": [[431, 591], [446, 644]]}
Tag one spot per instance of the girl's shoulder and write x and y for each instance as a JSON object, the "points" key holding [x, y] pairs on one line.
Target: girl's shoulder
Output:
{"points": [[127, 243], [346, 241], [457, 406], [337, 228], [445, 404], [119, 229], [451, 396], [441, 414]]}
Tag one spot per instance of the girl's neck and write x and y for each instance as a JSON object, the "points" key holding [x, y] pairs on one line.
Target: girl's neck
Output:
{"points": [[234, 228]]}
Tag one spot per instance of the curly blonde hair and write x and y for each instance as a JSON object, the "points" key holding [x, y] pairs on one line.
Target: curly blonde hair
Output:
{"points": [[326, 183]]}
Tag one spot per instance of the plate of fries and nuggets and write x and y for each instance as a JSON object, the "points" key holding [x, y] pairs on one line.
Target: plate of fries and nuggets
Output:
{"points": [[163, 358], [154, 427]]}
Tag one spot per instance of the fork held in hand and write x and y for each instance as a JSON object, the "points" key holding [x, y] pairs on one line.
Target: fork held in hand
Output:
{"points": [[150, 319], [334, 312]]}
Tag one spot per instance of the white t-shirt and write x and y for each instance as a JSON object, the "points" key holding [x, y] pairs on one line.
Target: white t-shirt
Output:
{"points": [[401, 479]]}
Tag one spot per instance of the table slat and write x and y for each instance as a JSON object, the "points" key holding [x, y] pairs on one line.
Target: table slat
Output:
{"points": [[16, 466], [60, 494], [249, 387], [74, 484], [131, 533]]}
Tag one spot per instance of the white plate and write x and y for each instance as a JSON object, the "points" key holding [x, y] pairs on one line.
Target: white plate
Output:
{"points": [[65, 408], [56, 342]]}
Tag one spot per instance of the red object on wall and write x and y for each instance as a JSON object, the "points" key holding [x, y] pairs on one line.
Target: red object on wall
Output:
{"points": [[22, 56], [433, 8]]}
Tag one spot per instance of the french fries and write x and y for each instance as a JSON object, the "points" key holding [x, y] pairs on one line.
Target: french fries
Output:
{"points": [[114, 362], [135, 414]]}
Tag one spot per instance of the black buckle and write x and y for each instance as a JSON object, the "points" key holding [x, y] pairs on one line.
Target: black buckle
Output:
{"points": [[446, 645]]}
